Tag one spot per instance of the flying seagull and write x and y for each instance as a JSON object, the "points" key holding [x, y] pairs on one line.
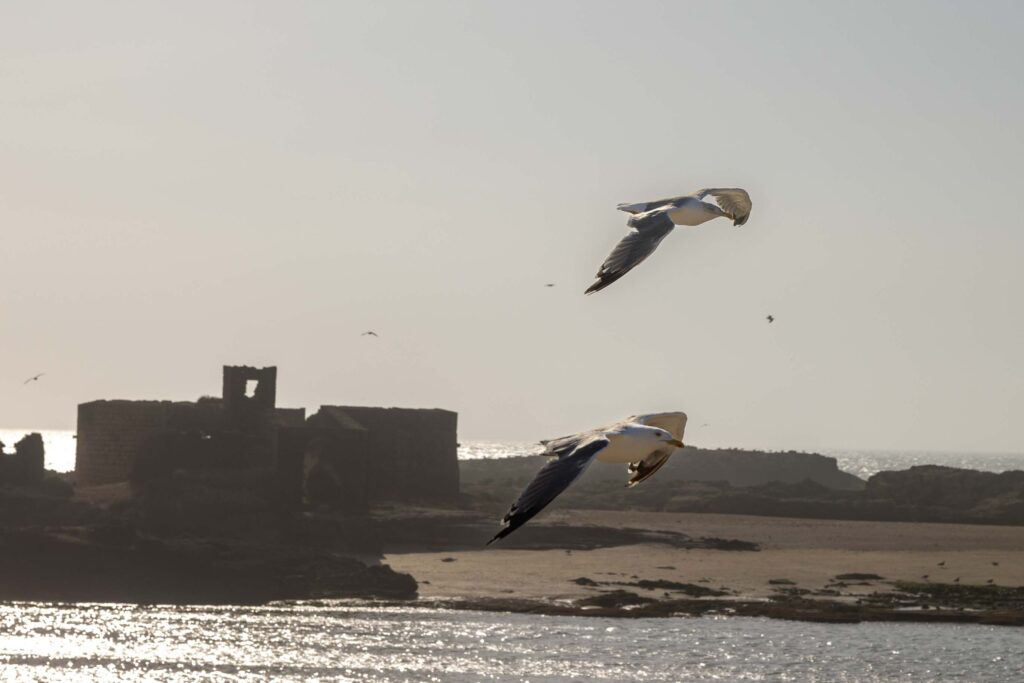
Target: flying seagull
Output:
{"points": [[34, 378], [770, 319], [652, 221], [645, 442], [369, 332]]}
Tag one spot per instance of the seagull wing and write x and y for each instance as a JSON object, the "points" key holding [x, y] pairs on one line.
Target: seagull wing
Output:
{"points": [[643, 469], [733, 200], [641, 207], [674, 424], [550, 481], [648, 230]]}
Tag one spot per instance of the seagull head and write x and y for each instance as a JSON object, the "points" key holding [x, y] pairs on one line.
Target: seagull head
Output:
{"points": [[639, 431]]}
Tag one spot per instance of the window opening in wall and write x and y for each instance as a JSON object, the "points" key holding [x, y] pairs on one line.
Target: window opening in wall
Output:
{"points": [[250, 387]]}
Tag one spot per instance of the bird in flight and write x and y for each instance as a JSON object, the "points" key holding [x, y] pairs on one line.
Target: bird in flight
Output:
{"points": [[651, 222], [644, 442], [370, 333], [770, 319], [550, 284], [34, 378]]}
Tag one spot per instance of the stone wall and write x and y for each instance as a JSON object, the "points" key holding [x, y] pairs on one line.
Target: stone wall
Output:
{"points": [[110, 434], [410, 454]]}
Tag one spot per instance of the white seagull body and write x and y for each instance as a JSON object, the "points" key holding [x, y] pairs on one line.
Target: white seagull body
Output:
{"points": [[645, 442], [651, 222]]}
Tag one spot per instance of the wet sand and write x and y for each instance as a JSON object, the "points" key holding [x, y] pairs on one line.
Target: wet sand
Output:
{"points": [[808, 553]]}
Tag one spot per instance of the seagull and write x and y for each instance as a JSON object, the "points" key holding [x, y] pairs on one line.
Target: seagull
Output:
{"points": [[369, 332], [770, 319], [34, 379], [652, 221], [645, 442]]}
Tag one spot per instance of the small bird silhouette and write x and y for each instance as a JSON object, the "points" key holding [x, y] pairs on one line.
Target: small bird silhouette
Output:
{"points": [[995, 564], [33, 379], [770, 319], [942, 564], [550, 284], [990, 581], [956, 580], [369, 332], [924, 576]]}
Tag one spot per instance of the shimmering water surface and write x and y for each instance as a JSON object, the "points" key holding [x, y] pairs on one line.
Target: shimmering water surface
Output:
{"points": [[351, 642], [858, 462]]}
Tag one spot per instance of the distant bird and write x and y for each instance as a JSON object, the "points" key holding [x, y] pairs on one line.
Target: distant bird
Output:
{"points": [[34, 379], [369, 332], [770, 319], [651, 222], [550, 284], [990, 581], [924, 576], [995, 564], [645, 442], [956, 580], [942, 564]]}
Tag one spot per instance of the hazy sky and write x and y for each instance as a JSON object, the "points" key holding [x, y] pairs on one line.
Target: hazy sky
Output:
{"points": [[187, 185]]}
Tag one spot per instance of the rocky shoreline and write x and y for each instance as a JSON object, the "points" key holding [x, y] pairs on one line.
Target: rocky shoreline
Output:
{"points": [[219, 537], [625, 606]]}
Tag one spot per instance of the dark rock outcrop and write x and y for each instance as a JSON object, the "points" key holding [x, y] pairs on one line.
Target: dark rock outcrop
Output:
{"points": [[115, 564], [922, 494], [930, 493]]}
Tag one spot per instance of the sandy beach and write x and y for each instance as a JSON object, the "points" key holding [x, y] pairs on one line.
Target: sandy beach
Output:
{"points": [[797, 554]]}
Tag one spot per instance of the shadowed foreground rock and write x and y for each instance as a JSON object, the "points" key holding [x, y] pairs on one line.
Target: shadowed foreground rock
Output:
{"points": [[113, 564]]}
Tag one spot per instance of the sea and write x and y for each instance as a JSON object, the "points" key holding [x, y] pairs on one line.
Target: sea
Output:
{"points": [[361, 641], [364, 642]]}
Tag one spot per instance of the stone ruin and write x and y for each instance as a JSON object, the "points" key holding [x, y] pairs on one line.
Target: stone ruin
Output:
{"points": [[25, 464], [342, 457]]}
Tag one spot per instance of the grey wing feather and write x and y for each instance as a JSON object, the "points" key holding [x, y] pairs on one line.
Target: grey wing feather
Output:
{"points": [[641, 207], [734, 201], [648, 229], [550, 481]]}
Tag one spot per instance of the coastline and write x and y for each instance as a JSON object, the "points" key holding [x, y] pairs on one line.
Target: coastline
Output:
{"points": [[814, 570]]}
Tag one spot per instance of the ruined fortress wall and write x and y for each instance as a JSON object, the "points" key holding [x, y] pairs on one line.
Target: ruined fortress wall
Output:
{"points": [[110, 434], [410, 454]]}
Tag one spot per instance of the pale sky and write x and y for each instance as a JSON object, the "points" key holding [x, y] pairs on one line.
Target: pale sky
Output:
{"points": [[187, 185]]}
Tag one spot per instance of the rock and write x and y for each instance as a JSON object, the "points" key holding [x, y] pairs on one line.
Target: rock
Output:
{"points": [[114, 564]]}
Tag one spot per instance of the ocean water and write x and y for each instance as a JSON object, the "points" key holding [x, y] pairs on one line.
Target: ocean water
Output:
{"points": [[353, 642], [862, 463], [60, 454]]}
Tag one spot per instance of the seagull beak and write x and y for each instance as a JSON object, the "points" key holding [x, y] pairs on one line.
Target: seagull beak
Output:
{"points": [[676, 442]]}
